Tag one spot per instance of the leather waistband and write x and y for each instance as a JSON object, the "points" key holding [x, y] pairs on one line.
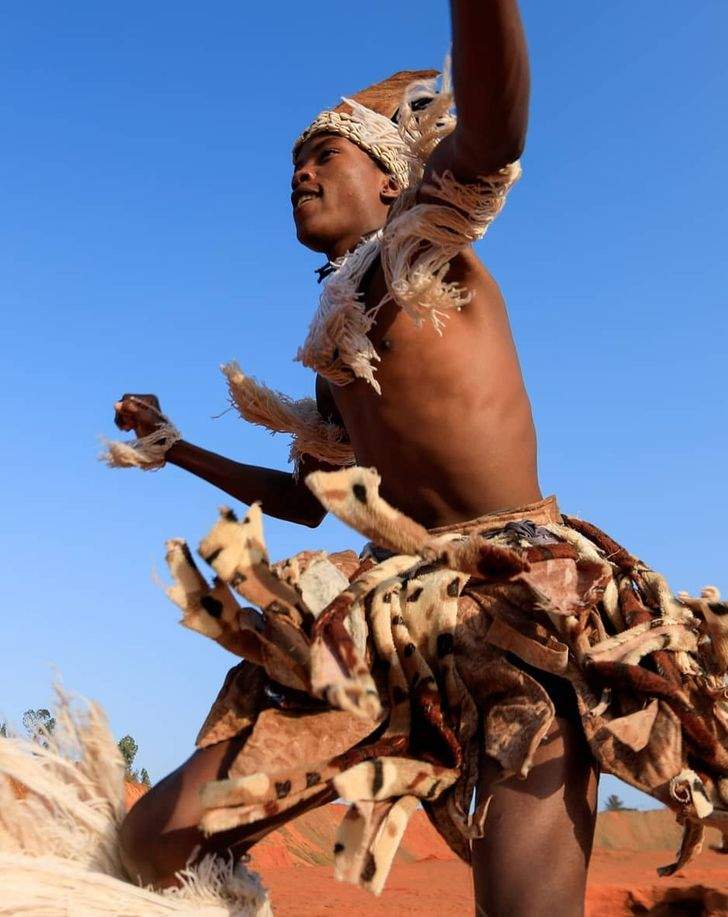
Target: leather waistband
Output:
{"points": [[541, 512]]}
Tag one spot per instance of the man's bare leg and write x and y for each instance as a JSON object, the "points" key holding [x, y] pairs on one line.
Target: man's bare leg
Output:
{"points": [[534, 857], [160, 833]]}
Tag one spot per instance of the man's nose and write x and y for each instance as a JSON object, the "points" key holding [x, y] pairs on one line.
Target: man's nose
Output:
{"points": [[301, 174]]}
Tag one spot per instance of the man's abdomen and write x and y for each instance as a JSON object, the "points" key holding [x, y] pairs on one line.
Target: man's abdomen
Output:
{"points": [[451, 434]]}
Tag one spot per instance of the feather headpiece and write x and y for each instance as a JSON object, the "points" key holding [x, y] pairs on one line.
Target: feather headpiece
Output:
{"points": [[370, 119]]}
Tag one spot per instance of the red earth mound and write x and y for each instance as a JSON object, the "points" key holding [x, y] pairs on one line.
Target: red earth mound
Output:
{"points": [[429, 881], [132, 792]]}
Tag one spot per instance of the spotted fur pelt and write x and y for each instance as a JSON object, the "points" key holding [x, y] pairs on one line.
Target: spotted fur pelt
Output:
{"points": [[370, 679]]}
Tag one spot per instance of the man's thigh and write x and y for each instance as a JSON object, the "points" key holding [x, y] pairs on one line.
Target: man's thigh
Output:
{"points": [[160, 833], [534, 857]]}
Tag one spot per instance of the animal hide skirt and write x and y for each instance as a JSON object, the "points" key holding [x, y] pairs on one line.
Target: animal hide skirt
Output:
{"points": [[383, 680]]}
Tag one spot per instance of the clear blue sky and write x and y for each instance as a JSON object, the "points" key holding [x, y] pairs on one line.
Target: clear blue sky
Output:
{"points": [[147, 238]]}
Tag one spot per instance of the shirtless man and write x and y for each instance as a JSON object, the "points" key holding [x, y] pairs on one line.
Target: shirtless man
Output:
{"points": [[451, 435]]}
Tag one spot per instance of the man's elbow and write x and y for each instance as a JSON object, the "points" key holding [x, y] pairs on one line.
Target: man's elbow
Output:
{"points": [[309, 511], [493, 160], [477, 155], [314, 520], [513, 149]]}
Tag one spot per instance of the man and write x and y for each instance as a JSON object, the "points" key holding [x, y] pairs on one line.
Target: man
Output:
{"points": [[418, 377]]}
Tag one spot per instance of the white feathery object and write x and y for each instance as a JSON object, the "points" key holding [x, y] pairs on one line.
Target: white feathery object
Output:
{"points": [[311, 434], [417, 243], [337, 343], [147, 452], [61, 806]]}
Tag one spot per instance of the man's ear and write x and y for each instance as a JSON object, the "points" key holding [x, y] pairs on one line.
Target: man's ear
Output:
{"points": [[389, 190]]}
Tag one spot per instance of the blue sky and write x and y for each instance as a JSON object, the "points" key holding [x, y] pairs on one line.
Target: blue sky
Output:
{"points": [[147, 238]]}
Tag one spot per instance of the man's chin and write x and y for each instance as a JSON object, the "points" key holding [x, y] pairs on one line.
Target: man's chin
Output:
{"points": [[312, 238]]}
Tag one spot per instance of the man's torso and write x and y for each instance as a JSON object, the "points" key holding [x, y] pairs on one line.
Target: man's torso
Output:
{"points": [[451, 433]]}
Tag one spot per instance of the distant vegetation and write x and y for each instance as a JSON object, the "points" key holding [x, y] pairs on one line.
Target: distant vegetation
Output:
{"points": [[615, 804], [40, 724], [129, 748]]}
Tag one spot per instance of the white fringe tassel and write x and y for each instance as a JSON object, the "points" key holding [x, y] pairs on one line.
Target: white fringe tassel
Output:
{"points": [[421, 239], [148, 452], [338, 344], [416, 245], [61, 805], [311, 434]]}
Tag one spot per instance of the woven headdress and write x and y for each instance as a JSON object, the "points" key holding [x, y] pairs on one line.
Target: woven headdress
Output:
{"points": [[371, 120]]}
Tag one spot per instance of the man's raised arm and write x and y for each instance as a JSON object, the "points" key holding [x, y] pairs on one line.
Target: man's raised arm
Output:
{"points": [[491, 85]]}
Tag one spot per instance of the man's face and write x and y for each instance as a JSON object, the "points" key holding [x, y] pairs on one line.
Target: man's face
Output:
{"points": [[339, 194]]}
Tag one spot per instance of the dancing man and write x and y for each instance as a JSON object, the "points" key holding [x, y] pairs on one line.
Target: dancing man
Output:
{"points": [[485, 644]]}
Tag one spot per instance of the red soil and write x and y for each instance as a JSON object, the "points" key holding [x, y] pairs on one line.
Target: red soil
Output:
{"points": [[427, 880], [442, 888], [132, 792]]}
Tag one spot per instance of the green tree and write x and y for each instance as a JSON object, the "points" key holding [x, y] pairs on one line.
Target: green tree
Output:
{"points": [[614, 804], [129, 748], [39, 724]]}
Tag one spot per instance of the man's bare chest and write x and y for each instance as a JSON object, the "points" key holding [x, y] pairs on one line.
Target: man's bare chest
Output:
{"points": [[470, 361]]}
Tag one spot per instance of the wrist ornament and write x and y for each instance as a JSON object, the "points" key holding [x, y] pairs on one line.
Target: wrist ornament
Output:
{"points": [[146, 452]]}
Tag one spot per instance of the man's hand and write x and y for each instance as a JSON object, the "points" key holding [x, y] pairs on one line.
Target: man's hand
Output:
{"points": [[140, 413]]}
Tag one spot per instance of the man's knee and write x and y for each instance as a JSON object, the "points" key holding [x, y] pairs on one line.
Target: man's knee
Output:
{"points": [[136, 842], [160, 832]]}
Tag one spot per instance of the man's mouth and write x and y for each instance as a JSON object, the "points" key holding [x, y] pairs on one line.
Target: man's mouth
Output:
{"points": [[301, 198]]}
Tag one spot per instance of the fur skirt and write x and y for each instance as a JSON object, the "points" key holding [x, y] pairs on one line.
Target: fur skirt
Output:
{"points": [[384, 679]]}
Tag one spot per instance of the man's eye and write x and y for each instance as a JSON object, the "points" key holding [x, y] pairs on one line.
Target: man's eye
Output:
{"points": [[325, 153]]}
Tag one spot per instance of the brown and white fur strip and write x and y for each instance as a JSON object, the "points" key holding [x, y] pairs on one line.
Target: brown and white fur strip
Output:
{"points": [[389, 690]]}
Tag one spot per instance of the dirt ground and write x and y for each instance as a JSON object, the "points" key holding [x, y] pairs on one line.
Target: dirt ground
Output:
{"points": [[620, 883], [427, 880], [296, 865]]}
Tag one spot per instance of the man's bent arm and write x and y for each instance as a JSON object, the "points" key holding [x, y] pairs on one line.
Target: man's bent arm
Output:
{"points": [[281, 494], [491, 85]]}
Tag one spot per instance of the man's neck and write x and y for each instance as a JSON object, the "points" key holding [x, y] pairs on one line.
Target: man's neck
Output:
{"points": [[348, 244], [332, 265]]}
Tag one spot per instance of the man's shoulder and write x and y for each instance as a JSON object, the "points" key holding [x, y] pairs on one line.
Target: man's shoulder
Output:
{"points": [[467, 270], [467, 263]]}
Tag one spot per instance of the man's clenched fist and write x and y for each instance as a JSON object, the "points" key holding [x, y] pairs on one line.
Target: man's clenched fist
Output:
{"points": [[140, 413]]}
